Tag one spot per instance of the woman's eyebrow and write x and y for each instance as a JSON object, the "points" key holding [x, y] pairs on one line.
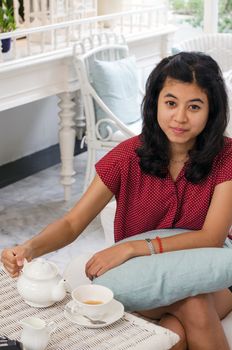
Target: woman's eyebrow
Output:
{"points": [[197, 100], [192, 100], [170, 95]]}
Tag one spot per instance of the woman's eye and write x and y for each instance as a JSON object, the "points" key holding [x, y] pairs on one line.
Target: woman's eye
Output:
{"points": [[194, 107], [170, 103]]}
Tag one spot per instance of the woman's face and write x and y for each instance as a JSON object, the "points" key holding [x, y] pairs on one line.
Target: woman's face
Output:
{"points": [[183, 110]]}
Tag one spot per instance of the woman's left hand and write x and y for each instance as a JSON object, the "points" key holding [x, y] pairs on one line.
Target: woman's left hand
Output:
{"points": [[107, 259]]}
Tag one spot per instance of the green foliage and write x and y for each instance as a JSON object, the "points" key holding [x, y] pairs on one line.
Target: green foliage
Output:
{"points": [[7, 21], [195, 9], [225, 16], [187, 7]]}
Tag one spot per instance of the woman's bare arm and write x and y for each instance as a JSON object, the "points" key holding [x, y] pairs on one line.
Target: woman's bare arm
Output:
{"points": [[213, 234], [61, 232]]}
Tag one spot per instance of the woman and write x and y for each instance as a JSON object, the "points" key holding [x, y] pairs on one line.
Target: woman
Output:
{"points": [[159, 178]]}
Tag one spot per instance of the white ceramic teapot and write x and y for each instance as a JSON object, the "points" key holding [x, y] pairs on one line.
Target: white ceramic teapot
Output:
{"points": [[40, 284]]}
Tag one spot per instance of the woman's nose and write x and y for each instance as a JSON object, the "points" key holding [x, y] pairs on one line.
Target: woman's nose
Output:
{"points": [[180, 115]]}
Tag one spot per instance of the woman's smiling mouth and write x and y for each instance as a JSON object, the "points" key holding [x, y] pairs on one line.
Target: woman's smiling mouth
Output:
{"points": [[178, 131]]}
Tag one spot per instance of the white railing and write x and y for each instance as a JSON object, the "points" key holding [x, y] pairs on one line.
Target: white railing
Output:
{"points": [[43, 12], [44, 40]]}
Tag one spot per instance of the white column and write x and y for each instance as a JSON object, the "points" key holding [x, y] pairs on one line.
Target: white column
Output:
{"points": [[210, 16], [67, 136]]}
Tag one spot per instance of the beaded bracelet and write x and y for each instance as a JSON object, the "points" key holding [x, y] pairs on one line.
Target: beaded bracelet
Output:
{"points": [[150, 246]]}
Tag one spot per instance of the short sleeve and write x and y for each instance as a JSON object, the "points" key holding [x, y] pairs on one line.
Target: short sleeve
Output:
{"points": [[113, 168], [109, 170], [224, 164]]}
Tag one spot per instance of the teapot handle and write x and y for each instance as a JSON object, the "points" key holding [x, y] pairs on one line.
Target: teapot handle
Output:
{"points": [[25, 262]]}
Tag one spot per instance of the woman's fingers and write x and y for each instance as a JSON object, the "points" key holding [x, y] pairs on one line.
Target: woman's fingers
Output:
{"points": [[89, 263], [96, 266], [106, 259], [92, 269], [12, 259]]}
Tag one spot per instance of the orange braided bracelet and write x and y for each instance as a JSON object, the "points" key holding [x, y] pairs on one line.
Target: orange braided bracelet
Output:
{"points": [[161, 250]]}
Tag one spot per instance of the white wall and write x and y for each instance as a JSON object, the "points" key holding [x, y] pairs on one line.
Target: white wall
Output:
{"points": [[28, 128]]}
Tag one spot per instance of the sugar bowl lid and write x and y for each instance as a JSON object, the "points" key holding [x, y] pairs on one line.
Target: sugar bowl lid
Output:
{"points": [[40, 269]]}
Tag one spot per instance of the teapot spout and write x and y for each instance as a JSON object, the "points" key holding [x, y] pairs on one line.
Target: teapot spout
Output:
{"points": [[59, 291]]}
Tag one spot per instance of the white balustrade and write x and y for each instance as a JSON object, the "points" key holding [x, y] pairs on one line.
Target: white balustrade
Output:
{"points": [[43, 12], [42, 40]]}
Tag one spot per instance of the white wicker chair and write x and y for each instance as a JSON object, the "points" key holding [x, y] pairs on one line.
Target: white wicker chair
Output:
{"points": [[218, 45], [112, 49]]}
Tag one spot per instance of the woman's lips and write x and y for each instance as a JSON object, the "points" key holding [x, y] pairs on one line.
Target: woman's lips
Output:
{"points": [[178, 130]]}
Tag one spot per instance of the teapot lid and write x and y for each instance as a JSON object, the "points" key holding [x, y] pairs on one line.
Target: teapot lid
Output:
{"points": [[40, 269]]}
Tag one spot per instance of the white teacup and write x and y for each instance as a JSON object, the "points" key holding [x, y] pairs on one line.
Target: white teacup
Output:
{"points": [[91, 300]]}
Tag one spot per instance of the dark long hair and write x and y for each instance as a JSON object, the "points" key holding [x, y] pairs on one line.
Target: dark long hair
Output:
{"points": [[154, 151]]}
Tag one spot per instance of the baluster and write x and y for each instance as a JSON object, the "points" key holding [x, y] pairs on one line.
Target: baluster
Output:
{"points": [[44, 12], [16, 12], [14, 51], [27, 11], [51, 11], [121, 25], [36, 11], [28, 45], [42, 42], [1, 54], [67, 36], [55, 39], [165, 46], [66, 11]]}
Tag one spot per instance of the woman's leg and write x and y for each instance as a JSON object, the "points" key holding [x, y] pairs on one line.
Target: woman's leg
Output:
{"points": [[223, 302], [200, 317], [171, 322], [201, 322]]}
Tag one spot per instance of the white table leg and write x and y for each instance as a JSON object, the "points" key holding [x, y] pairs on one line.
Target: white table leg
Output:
{"points": [[80, 118], [67, 136]]}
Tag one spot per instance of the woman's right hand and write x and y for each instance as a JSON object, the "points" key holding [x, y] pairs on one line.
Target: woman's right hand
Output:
{"points": [[13, 259]]}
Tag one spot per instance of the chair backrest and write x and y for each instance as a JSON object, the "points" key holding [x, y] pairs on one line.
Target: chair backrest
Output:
{"points": [[218, 45], [99, 129], [110, 93]]}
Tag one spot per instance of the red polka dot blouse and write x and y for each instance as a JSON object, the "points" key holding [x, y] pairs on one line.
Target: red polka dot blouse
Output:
{"points": [[146, 202]]}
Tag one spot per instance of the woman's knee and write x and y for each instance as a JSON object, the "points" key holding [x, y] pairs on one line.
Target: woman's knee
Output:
{"points": [[195, 310]]}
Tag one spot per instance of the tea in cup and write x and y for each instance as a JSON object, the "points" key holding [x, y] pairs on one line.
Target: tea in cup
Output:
{"points": [[91, 300]]}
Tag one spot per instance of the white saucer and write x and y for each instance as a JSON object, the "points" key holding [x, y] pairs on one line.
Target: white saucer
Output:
{"points": [[116, 311]]}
